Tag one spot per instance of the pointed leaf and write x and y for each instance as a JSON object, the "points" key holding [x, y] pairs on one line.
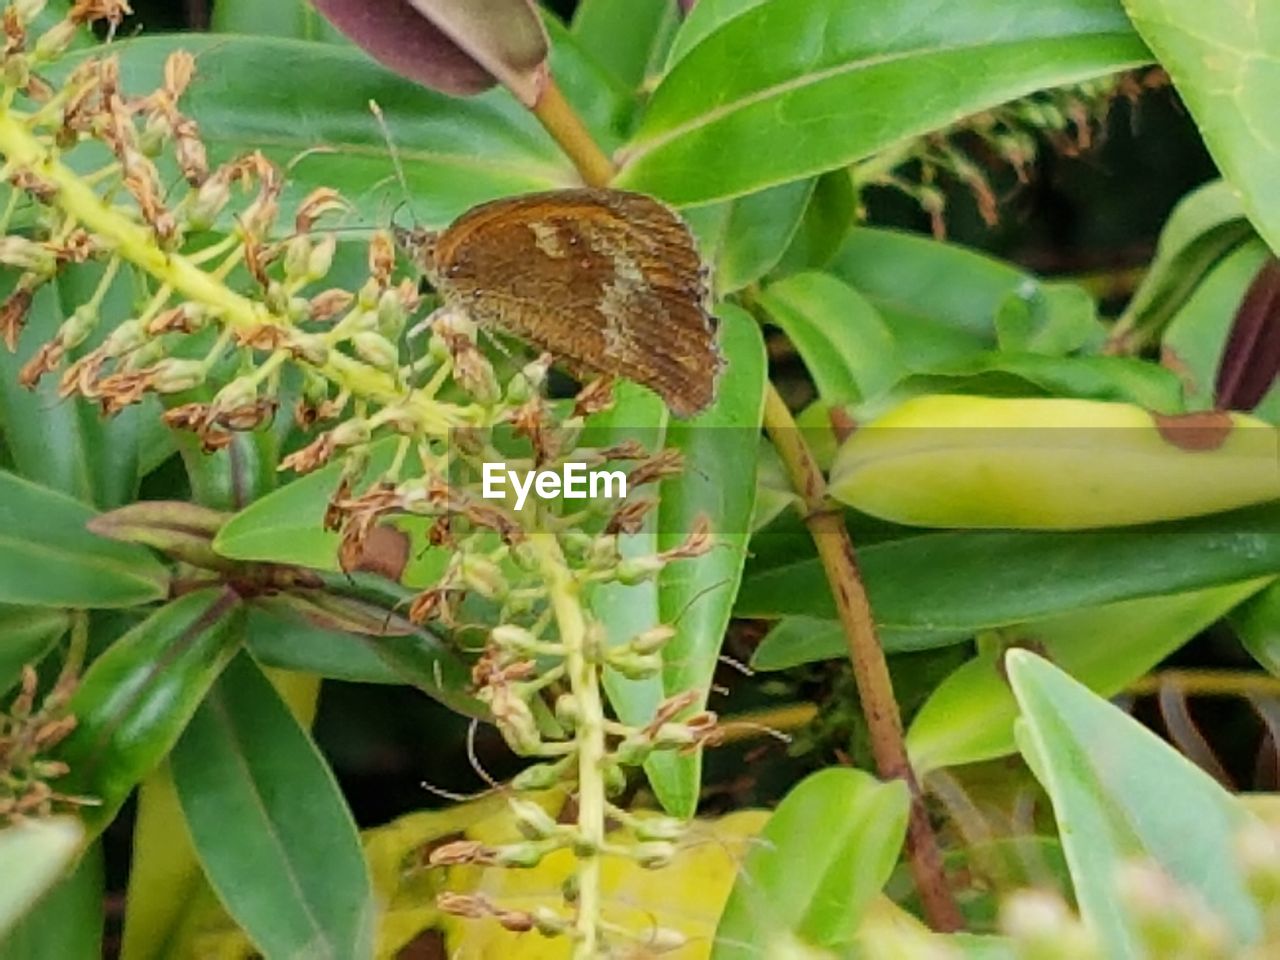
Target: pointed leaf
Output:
{"points": [[1118, 793], [291, 873]]}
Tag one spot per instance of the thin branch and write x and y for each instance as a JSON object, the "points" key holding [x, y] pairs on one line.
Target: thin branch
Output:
{"points": [[870, 670], [563, 123]]}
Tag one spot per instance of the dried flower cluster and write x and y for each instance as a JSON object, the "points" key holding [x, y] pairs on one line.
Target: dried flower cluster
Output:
{"points": [[230, 298], [28, 734]]}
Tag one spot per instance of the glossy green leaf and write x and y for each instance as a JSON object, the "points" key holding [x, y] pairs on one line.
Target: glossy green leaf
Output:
{"points": [[755, 233], [696, 595], [629, 38], [1225, 69], [1197, 333], [828, 83], [796, 640], [939, 299], [278, 640], [795, 891], [136, 698], [26, 634], [845, 344], [291, 872], [66, 444], [831, 214], [706, 17], [998, 374], [44, 849], [974, 580], [455, 153], [49, 559], [67, 922], [1204, 227], [295, 19], [1119, 793], [969, 717], [637, 414], [1048, 318]]}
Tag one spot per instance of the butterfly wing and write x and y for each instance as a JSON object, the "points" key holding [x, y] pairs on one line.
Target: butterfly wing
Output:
{"points": [[608, 282]]}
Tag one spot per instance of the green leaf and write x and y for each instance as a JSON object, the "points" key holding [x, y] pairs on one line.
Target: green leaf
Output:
{"points": [[295, 19], [793, 892], [755, 233], [1195, 337], [696, 595], [66, 923], [1050, 318], [26, 635], [1257, 624], [136, 698], [796, 640], [637, 414], [970, 581], [831, 214], [939, 299], [1225, 67], [49, 559], [455, 152], [846, 346], [67, 445], [1119, 793], [969, 717], [1205, 226], [291, 872], [45, 849], [828, 83], [627, 37], [706, 17]]}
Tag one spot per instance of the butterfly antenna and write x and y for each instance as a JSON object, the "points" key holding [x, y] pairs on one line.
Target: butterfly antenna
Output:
{"points": [[395, 157]]}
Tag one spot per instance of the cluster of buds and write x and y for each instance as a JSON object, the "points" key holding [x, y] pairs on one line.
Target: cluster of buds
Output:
{"points": [[1070, 119], [233, 296], [28, 734]]}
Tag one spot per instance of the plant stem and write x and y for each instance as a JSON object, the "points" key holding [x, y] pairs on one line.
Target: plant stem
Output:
{"points": [[584, 682], [558, 117], [870, 670]]}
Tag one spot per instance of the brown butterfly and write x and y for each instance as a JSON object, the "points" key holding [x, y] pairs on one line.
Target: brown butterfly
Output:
{"points": [[608, 282]]}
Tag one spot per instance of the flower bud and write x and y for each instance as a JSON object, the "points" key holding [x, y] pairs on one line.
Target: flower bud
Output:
{"points": [[297, 257], [321, 258], [351, 433], [312, 348], [483, 576], [533, 822], [512, 637], [240, 392], [633, 570], [368, 296], [376, 350], [391, 314], [548, 922], [540, 776], [568, 712], [155, 134], [615, 778], [54, 41], [653, 639], [207, 203], [655, 854], [519, 855], [633, 751], [28, 10], [659, 828], [173, 375], [76, 328], [635, 666], [27, 254]]}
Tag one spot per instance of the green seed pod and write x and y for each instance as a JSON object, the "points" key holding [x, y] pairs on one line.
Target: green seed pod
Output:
{"points": [[518, 390], [633, 570], [568, 712], [633, 751], [391, 315], [548, 922], [615, 778], [509, 636]]}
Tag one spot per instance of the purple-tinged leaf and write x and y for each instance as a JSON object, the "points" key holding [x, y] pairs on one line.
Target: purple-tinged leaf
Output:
{"points": [[460, 47], [1251, 358]]}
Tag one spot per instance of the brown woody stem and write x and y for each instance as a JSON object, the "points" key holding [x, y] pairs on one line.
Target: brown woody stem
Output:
{"points": [[870, 670], [563, 123]]}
